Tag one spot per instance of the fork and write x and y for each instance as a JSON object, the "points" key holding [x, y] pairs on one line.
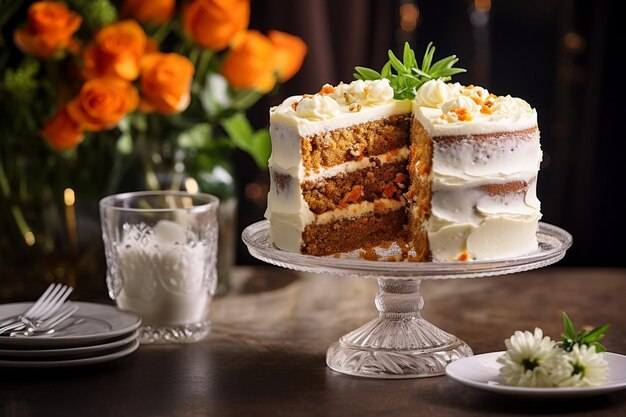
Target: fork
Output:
{"points": [[49, 325], [45, 306]]}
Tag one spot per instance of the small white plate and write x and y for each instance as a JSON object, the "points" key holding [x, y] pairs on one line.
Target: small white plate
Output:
{"points": [[96, 322], [66, 353], [482, 372], [109, 356]]}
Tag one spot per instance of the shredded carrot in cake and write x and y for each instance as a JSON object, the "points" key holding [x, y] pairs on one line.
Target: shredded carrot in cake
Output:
{"points": [[353, 196], [485, 109], [463, 256], [389, 190]]}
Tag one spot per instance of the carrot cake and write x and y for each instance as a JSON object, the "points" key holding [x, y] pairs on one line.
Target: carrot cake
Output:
{"points": [[453, 170]]}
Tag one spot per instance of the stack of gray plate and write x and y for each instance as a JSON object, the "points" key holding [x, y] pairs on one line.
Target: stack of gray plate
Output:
{"points": [[96, 333]]}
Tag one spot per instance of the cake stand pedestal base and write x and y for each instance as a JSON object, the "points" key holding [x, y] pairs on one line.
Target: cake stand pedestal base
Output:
{"points": [[399, 343]]}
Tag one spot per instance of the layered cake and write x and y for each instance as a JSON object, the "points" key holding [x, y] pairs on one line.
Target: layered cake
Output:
{"points": [[452, 172]]}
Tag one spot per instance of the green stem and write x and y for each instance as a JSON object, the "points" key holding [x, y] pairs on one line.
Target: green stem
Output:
{"points": [[18, 216], [203, 66], [22, 225], [152, 182], [194, 54], [162, 32], [4, 181]]}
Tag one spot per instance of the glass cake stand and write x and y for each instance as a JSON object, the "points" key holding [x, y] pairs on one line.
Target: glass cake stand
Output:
{"points": [[400, 343]]}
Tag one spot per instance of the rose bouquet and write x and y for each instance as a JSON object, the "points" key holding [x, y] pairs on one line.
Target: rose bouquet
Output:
{"points": [[101, 96]]}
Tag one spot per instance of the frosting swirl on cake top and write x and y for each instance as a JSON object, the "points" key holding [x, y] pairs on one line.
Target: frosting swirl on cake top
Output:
{"points": [[335, 107], [454, 109]]}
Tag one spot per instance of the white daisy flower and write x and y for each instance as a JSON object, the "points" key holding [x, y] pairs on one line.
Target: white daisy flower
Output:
{"points": [[582, 367], [528, 360]]}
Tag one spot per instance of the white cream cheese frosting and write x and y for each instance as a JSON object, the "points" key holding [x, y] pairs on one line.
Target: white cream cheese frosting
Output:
{"points": [[452, 109], [337, 107]]}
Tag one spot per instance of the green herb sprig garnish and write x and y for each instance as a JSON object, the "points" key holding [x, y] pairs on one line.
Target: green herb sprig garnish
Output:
{"points": [[409, 77], [583, 337]]}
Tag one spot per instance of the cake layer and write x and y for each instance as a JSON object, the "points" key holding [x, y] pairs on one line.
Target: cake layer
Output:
{"points": [[485, 159], [377, 181], [332, 109], [360, 141], [348, 234]]}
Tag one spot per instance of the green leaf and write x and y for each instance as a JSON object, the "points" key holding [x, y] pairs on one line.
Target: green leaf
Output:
{"points": [[447, 62], [243, 99], [124, 144], [428, 57], [599, 347], [409, 56], [571, 338], [261, 147], [239, 131], [595, 334], [214, 96], [364, 73], [396, 64], [385, 72], [196, 137], [569, 327]]}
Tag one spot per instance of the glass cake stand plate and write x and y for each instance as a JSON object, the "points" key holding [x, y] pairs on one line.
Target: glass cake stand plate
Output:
{"points": [[400, 343]]}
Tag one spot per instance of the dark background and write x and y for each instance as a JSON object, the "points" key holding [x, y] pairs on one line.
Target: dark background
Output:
{"points": [[559, 55]]}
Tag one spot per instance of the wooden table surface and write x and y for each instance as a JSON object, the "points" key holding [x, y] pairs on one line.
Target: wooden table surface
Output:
{"points": [[266, 353]]}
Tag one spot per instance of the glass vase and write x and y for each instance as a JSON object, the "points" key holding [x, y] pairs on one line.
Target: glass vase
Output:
{"points": [[161, 165], [50, 237]]}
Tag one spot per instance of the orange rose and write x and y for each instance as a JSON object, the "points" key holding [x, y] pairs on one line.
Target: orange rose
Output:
{"points": [[61, 131], [149, 11], [165, 82], [102, 102], [213, 23], [49, 27], [117, 51], [290, 52], [251, 62]]}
